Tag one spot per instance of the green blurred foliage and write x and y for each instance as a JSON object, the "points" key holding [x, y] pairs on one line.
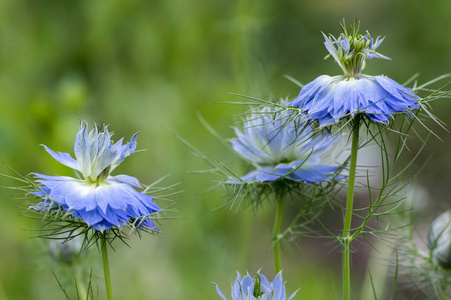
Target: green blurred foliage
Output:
{"points": [[149, 65]]}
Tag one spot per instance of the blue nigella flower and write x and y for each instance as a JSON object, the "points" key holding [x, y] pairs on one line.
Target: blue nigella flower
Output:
{"points": [[330, 99], [259, 287], [99, 199], [282, 147]]}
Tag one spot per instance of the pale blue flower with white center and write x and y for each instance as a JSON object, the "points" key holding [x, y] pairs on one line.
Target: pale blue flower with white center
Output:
{"points": [[330, 99], [259, 287], [281, 147], [102, 201]]}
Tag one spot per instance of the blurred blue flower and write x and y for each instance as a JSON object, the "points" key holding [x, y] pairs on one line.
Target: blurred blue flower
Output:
{"points": [[259, 287], [330, 99], [66, 250], [439, 240], [100, 200], [282, 147]]}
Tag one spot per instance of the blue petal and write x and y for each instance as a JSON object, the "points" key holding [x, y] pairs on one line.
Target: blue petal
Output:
{"points": [[265, 285], [81, 150], [104, 195], [251, 176], [317, 173], [42, 177], [320, 144], [63, 158], [247, 286], [263, 176], [112, 217], [42, 192], [310, 171], [102, 226], [247, 281], [77, 196], [90, 217], [125, 150], [396, 89], [144, 199], [236, 288], [255, 141], [113, 195], [345, 43], [219, 292], [58, 187], [103, 160], [378, 97], [278, 287], [310, 90], [331, 48], [99, 205], [44, 205], [125, 179]]}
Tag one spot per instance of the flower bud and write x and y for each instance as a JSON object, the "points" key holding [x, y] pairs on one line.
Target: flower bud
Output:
{"points": [[439, 240], [65, 251]]}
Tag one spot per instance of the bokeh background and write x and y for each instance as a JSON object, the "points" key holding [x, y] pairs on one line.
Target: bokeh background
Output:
{"points": [[149, 66]]}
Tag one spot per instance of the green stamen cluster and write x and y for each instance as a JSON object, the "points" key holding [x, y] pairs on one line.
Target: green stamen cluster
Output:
{"points": [[351, 49], [258, 287], [355, 62]]}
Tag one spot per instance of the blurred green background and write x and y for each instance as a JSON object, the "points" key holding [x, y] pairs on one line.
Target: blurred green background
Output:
{"points": [[149, 65]]}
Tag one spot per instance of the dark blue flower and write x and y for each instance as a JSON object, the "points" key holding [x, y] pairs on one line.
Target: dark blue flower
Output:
{"points": [[281, 147], [100, 200], [259, 287], [331, 99]]}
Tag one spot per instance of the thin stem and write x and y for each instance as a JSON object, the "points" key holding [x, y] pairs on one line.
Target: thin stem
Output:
{"points": [[106, 267], [276, 232], [348, 214], [81, 290]]}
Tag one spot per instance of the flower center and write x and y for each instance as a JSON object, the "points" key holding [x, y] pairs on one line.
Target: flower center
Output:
{"points": [[351, 49], [104, 174], [258, 286], [101, 178], [355, 63]]}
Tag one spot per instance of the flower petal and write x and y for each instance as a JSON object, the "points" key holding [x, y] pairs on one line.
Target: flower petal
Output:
{"points": [[99, 205], [132, 181], [378, 97], [219, 292], [81, 150], [63, 158], [278, 287]]}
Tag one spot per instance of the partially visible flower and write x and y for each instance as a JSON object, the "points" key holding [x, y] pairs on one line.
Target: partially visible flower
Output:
{"points": [[331, 99], [258, 287], [282, 147], [66, 250], [100, 200], [439, 240], [426, 263]]}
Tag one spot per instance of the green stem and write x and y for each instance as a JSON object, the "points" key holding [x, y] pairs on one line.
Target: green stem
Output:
{"points": [[348, 214], [106, 267], [276, 232]]}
